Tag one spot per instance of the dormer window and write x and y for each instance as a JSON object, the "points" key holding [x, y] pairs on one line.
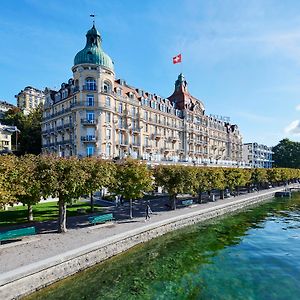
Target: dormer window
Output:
{"points": [[106, 87]]}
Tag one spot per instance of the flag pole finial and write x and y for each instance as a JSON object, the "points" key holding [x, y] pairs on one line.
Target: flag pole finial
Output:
{"points": [[93, 16]]}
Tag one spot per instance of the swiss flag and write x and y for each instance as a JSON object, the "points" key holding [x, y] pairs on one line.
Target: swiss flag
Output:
{"points": [[177, 59]]}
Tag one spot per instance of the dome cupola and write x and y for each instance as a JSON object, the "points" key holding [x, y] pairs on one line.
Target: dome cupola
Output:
{"points": [[93, 52]]}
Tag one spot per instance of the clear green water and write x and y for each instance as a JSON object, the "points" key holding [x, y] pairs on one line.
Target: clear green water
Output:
{"points": [[250, 255]]}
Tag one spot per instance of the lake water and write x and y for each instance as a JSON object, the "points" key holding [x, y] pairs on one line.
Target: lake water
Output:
{"points": [[249, 255]]}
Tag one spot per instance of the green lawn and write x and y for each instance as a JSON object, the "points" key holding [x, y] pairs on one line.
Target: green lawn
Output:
{"points": [[41, 212]]}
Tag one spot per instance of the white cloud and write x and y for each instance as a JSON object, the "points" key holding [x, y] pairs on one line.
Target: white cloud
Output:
{"points": [[293, 128]]}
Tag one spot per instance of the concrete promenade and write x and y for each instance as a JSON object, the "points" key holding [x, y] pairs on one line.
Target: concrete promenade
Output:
{"points": [[40, 260]]}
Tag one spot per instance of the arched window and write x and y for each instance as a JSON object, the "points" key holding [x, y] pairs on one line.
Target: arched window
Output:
{"points": [[90, 84], [106, 87]]}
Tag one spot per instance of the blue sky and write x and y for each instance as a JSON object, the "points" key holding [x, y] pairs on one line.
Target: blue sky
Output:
{"points": [[241, 58]]}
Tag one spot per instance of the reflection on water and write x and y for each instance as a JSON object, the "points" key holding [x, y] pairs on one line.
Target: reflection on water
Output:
{"points": [[250, 255]]}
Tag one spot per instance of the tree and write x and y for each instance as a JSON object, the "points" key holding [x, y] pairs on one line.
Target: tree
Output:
{"points": [[258, 177], [29, 138], [64, 178], [236, 178], [175, 179], [30, 192], [287, 154], [9, 186], [216, 180], [100, 174], [30, 135], [201, 183], [274, 175], [132, 179]]}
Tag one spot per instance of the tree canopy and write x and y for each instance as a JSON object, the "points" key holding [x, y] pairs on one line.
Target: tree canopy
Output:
{"points": [[29, 137], [287, 154]]}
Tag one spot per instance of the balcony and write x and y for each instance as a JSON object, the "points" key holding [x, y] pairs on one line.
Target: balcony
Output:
{"points": [[136, 130], [136, 145], [174, 139], [59, 128], [68, 126], [88, 138], [123, 144], [147, 147], [88, 122], [157, 136], [85, 104]]}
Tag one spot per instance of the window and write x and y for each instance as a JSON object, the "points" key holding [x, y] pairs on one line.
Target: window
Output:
{"points": [[107, 101], [90, 116], [90, 100], [133, 111], [90, 149], [108, 133], [146, 141], [146, 115], [90, 84], [120, 108], [108, 149], [107, 117], [106, 87], [120, 138]]}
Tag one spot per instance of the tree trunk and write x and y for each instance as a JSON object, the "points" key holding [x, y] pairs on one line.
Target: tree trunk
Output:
{"points": [[174, 202], [62, 219], [29, 213], [222, 194], [130, 209], [200, 197], [238, 191], [92, 202]]}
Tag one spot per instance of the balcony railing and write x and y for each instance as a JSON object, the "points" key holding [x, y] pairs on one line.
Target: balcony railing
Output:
{"points": [[88, 138], [88, 87], [88, 122]]}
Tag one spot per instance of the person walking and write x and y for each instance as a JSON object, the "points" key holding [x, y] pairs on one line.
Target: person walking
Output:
{"points": [[148, 212], [117, 200], [121, 200]]}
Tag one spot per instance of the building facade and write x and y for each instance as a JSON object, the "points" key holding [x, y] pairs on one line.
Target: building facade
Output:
{"points": [[4, 107], [5, 138], [258, 156], [95, 114], [30, 98]]}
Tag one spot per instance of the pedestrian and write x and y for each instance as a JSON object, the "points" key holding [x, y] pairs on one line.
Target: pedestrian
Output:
{"points": [[121, 200], [117, 200], [148, 212]]}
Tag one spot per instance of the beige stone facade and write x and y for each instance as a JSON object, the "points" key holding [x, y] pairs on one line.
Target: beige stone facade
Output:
{"points": [[30, 98], [95, 114], [5, 138]]}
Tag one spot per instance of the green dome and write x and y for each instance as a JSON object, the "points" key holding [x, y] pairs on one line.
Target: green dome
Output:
{"points": [[93, 52]]}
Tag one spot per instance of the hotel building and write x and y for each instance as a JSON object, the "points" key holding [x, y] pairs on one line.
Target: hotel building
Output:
{"points": [[30, 98], [258, 156], [4, 107], [96, 114]]}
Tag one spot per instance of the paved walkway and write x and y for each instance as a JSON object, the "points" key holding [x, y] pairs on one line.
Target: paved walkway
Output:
{"points": [[48, 243]]}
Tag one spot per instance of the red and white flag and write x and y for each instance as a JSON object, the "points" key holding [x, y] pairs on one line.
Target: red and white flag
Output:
{"points": [[177, 59]]}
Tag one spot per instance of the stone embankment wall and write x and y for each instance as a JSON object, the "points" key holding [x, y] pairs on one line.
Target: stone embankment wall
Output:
{"points": [[28, 279]]}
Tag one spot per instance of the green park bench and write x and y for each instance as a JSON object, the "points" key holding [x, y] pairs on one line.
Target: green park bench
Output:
{"points": [[12, 234], [187, 202], [101, 219]]}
